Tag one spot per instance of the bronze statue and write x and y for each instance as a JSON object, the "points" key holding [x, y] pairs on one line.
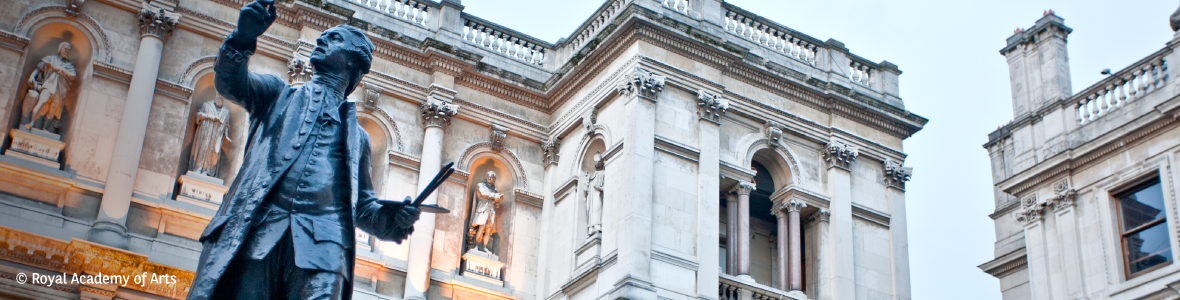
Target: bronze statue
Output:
{"points": [[286, 228], [483, 217], [48, 86], [212, 129]]}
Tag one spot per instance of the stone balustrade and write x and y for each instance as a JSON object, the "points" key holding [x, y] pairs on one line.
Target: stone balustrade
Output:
{"points": [[411, 11], [772, 36], [1128, 85], [730, 288], [680, 6], [596, 23], [504, 41], [859, 73]]}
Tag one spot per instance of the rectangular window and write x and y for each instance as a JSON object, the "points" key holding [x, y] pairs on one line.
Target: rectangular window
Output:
{"points": [[1144, 227]]}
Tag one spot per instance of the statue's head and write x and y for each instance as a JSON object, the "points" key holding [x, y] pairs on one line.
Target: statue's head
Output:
{"points": [[343, 50], [64, 49], [219, 101], [490, 177], [598, 160]]}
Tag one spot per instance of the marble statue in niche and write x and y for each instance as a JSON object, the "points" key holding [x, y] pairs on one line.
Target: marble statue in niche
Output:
{"points": [[483, 216], [593, 193], [48, 86], [212, 129]]}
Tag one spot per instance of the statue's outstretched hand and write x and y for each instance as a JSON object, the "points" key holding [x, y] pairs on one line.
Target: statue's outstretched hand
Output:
{"points": [[401, 213], [254, 19]]}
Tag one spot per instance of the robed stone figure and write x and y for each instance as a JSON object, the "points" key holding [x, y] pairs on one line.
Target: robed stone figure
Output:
{"points": [[48, 86], [483, 217], [212, 129], [286, 230], [593, 192]]}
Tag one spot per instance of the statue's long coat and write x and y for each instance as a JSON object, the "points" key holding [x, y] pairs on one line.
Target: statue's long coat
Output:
{"points": [[274, 119]]}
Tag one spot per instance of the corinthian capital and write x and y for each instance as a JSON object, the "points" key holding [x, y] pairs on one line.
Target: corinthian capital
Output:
{"points": [[839, 154], [438, 113], [711, 107], [742, 188], [155, 21], [795, 205], [643, 83], [298, 70], [550, 148], [1030, 210], [1063, 195], [895, 174]]}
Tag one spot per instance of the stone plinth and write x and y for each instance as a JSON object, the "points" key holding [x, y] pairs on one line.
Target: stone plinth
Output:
{"points": [[483, 266], [37, 146], [201, 190]]}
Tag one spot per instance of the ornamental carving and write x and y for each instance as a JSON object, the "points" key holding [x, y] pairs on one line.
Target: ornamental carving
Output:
{"points": [[1063, 195], [436, 112], [821, 215], [299, 71], [550, 150], [590, 121], [643, 83], [895, 174], [742, 188], [499, 134], [372, 93], [73, 7], [795, 205], [157, 21], [1030, 210], [839, 154], [774, 132], [710, 106]]}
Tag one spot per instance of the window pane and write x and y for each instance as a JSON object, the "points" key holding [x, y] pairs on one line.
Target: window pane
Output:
{"points": [[1148, 248], [1142, 206]]}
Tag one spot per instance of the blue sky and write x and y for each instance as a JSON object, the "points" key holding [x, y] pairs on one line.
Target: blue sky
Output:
{"points": [[953, 75]]}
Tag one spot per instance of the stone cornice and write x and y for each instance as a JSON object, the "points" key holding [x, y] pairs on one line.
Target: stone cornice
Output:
{"points": [[1006, 264], [12, 41]]}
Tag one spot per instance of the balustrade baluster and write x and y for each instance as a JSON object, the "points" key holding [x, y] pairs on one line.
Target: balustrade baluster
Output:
{"points": [[1081, 111], [1120, 93]]}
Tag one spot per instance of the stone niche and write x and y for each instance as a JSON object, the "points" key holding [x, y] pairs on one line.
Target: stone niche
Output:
{"points": [[480, 263], [193, 186], [41, 141]]}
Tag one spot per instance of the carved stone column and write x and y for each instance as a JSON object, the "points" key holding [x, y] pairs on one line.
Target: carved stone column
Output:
{"points": [[795, 246], [731, 233], [743, 189], [155, 26], [781, 252], [839, 280], [436, 116]]}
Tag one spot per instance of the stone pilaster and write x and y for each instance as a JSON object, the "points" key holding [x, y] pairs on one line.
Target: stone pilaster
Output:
{"points": [[1030, 215], [110, 228], [1068, 237], [708, 188], [896, 177], [840, 279]]}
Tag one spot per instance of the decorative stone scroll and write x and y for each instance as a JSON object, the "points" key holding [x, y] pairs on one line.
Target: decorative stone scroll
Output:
{"points": [[710, 106], [436, 112], [895, 174], [774, 132], [840, 154], [643, 83], [1030, 210], [499, 134], [550, 150], [156, 21]]}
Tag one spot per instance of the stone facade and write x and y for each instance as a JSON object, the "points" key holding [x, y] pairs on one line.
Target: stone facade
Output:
{"points": [[1084, 188], [738, 159]]}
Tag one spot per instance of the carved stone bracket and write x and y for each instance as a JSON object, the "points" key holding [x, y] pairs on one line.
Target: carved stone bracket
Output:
{"points": [[550, 149], [711, 107], [436, 112], [896, 175], [590, 121], [73, 7], [840, 154], [372, 93], [156, 21], [742, 188], [1063, 196], [774, 132], [1030, 210], [499, 134], [643, 83]]}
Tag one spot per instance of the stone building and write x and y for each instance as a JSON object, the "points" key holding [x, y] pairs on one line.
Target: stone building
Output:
{"points": [[667, 149], [1085, 190]]}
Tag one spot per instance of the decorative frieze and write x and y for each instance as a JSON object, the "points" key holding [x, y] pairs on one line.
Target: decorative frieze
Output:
{"points": [[711, 106], [839, 154], [1030, 210], [436, 112], [156, 21], [895, 174], [643, 83], [774, 132], [499, 134], [550, 150]]}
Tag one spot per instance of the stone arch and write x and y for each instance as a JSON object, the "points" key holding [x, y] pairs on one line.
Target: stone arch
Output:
{"points": [[387, 124], [57, 14], [484, 149], [778, 159], [599, 133], [197, 69]]}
